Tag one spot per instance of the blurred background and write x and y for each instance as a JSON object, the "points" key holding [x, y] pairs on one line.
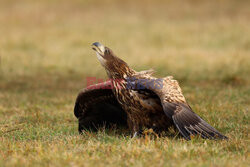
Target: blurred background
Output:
{"points": [[46, 55], [187, 39]]}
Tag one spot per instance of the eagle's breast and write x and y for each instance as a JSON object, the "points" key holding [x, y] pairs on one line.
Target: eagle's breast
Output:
{"points": [[141, 107]]}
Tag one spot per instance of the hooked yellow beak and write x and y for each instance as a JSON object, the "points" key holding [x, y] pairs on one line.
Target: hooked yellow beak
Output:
{"points": [[98, 48]]}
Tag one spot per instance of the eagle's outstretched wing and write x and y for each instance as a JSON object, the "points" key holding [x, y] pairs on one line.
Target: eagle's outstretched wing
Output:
{"points": [[176, 108], [189, 123], [96, 106]]}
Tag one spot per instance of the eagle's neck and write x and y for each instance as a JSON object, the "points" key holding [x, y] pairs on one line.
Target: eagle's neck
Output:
{"points": [[121, 73], [119, 78]]}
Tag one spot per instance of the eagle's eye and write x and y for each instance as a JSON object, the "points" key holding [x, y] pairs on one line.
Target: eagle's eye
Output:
{"points": [[106, 52]]}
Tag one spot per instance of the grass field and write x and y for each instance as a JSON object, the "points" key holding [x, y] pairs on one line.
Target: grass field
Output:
{"points": [[45, 57]]}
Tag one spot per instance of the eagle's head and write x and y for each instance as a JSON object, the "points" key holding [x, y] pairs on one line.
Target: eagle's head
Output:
{"points": [[115, 67]]}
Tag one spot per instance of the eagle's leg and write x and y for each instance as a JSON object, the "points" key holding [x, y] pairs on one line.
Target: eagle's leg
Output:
{"points": [[137, 133], [134, 127], [137, 130]]}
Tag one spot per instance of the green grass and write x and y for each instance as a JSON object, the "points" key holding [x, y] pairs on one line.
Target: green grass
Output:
{"points": [[45, 57]]}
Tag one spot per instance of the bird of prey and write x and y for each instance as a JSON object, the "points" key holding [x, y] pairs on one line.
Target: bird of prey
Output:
{"points": [[137, 100]]}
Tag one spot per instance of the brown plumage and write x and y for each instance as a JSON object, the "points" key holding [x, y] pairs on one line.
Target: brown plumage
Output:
{"points": [[129, 99]]}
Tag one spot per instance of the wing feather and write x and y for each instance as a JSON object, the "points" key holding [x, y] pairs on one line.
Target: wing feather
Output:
{"points": [[96, 105], [190, 123], [176, 108]]}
